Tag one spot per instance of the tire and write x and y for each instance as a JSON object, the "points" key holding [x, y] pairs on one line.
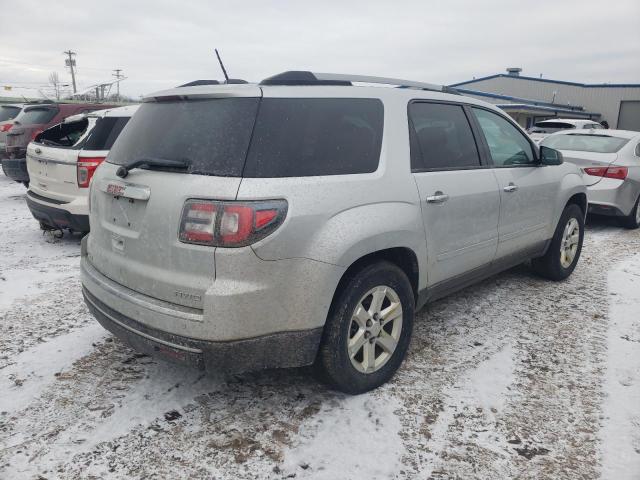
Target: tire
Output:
{"points": [[334, 363], [632, 221], [552, 265]]}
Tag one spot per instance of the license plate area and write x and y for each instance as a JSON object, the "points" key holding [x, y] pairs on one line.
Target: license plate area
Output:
{"points": [[125, 213]]}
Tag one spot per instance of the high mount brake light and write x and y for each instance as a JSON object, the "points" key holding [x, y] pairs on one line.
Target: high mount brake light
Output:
{"points": [[618, 173], [230, 223], [85, 168]]}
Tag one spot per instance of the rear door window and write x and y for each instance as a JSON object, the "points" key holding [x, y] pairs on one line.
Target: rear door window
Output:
{"points": [[36, 115], [301, 137], [8, 113], [508, 145], [211, 135], [104, 134], [441, 138]]}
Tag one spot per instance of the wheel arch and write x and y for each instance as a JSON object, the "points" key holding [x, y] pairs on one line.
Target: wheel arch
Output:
{"points": [[403, 257]]}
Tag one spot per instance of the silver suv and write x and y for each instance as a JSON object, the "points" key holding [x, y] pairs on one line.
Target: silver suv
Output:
{"points": [[304, 220]]}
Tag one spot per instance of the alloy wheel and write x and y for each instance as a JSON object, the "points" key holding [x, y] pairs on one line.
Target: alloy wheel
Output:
{"points": [[569, 244], [374, 331]]}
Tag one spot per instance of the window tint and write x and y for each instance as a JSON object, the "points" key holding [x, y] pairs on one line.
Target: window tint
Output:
{"points": [[586, 142], [7, 112], [507, 145], [300, 137], [212, 135], [105, 133], [441, 137], [37, 115]]}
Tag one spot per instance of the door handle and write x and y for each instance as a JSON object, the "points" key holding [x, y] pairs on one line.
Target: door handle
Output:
{"points": [[438, 197], [511, 188]]}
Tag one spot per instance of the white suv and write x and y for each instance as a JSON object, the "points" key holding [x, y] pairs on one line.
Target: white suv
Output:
{"points": [[304, 219], [61, 162]]}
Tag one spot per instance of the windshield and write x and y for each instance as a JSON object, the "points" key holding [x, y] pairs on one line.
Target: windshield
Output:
{"points": [[8, 113], [36, 115], [211, 135], [585, 143]]}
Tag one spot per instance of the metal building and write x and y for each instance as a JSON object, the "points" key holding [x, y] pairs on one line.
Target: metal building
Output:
{"points": [[531, 99]]}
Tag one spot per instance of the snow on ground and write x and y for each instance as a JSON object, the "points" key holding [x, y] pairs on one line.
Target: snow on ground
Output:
{"points": [[621, 432], [513, 378]]}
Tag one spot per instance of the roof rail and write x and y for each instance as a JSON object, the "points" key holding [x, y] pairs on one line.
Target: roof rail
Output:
{"points": [[312, 78]]}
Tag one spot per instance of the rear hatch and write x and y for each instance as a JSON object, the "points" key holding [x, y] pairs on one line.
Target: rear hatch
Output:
{"points": [[29, 123], [135, 220], [53, 158], [593, 151]]}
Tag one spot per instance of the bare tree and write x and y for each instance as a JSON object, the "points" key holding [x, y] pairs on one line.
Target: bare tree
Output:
{"points": [[54, 80]]}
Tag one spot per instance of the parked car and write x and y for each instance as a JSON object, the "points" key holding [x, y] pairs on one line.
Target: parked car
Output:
{"points": [[7, 113], [304, 219], [611, 161], [31, 121], [546, 127], [61, 162]]}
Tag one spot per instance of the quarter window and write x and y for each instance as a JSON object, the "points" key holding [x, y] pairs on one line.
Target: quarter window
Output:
{"points": [[507, 145], [441, 137], [301, 137]]}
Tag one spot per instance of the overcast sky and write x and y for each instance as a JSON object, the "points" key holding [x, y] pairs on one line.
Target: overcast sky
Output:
{"points": [[163, 44]]}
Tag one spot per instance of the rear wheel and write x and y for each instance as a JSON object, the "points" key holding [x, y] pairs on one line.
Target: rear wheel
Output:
{"points": [[564, 251], [632, 221], [368, 329]]}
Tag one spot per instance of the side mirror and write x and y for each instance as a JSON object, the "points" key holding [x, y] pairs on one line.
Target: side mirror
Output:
{"points": [[550, 156]]}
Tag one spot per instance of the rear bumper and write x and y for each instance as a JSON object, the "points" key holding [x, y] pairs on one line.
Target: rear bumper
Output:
{"points": [[16, 169], [278, 350], [613, 197], [53, 214]]}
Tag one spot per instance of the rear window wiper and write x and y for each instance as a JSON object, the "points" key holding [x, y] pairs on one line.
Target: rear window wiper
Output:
{"points": [[123, 170]]}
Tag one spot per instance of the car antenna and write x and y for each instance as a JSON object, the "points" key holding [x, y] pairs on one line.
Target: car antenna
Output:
{"points": [[226, 77]]}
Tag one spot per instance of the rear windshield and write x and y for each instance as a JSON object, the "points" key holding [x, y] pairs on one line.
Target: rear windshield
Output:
{"points": [[554, 125], [211, 135], [585, 143], [102, 136], [7, 113], [36, 116], [292, 137]]}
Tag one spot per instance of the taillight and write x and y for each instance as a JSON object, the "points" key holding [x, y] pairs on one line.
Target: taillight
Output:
{"points": [[85, 169], [6, 127], [35, 134], [230, 224], [619, 173]]}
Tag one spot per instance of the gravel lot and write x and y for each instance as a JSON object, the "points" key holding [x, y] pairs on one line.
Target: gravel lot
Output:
{"points": [[512, 378]]}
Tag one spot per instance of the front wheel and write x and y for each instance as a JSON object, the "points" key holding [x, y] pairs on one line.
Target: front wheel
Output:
{"points": [[564, 251], [368, 329], [632, 221]]}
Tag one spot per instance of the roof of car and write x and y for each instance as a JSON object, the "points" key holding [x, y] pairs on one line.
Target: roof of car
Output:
{"points": [[573, 121], [601, 133], [126, 111]]}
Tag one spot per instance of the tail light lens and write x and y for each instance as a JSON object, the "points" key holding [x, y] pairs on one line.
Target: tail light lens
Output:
{"points": [[6, 127], [619, 173], [85, 169], [230, 224], [35, 134]]}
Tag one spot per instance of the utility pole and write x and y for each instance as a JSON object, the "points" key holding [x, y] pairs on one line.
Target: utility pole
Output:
{"points": [[71, 63], [118, 76]]}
